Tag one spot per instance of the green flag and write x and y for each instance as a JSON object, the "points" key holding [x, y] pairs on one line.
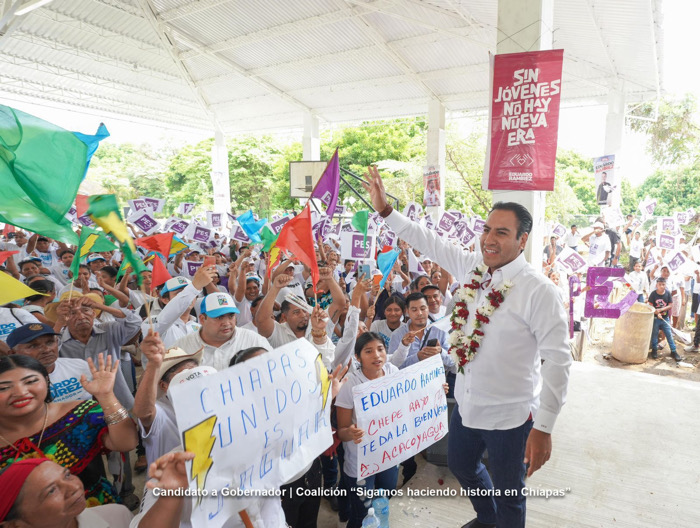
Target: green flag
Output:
{"points": [[41, 168], [91, 241], [359, 221], [268, 238]]}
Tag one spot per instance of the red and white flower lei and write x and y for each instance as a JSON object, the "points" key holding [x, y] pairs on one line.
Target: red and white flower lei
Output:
{"points": [[463, 348]]}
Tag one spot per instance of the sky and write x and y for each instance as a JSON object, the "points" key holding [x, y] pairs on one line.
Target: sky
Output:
{"points": [[581, 129]]}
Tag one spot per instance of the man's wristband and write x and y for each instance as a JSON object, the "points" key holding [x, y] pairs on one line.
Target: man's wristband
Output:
{"points": [[386, 211], [318, 335]]}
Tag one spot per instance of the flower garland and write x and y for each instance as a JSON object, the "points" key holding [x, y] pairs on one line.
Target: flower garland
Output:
{"points": [[463, 348]]}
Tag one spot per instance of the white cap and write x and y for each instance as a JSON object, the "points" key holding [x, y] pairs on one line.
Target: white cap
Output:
{"points": [[218, 304], [192, 374]]}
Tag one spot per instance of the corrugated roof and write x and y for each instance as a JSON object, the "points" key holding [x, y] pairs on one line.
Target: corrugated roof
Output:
{"points": [[261, 64]]}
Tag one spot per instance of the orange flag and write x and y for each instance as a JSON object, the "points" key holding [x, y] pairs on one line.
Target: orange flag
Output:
{"points": [[297, 239], [159, 273], [81, 205], [159, 243]]}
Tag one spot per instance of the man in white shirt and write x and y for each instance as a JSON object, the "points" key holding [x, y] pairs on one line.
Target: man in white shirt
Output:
{"points": [[297, 322], [598, 245], [636, 248], [572, 238], [507, 397], [219, 338]]}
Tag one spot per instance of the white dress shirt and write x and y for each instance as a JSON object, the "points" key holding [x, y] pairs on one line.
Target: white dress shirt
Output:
{"points": [[219, 357], [506, 381]]}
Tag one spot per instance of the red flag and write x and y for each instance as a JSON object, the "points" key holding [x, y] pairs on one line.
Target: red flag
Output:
{"points": [[296, 238], [5, 254], [8, 229], [160, 243], [81, 205], [159, 274]]}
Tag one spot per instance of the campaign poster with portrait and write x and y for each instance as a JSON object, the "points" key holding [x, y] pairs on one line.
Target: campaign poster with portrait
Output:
{"points": [[605, 183], [431, 186]]}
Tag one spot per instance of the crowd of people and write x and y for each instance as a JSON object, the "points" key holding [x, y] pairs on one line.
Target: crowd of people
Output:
{"points": [[71, 394]]}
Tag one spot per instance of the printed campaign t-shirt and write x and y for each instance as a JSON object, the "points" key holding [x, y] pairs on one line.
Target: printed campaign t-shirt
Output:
{"points": [[11, 318], [65, 380], [597, 248]]}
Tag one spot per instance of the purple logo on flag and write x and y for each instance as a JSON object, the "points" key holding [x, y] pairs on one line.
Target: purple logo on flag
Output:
{"points": [[179, 227], [153, 203], [411, 212], [86, 220], [389, 238], [429, 222], [347, 227], [667, 224], [446, 221], [359, 250], [468, 236], [201, 234], [666, 241], [192, 268], [145, 223], [216, 220], [649, 208], [681, 218], [457, 215], [277, 225], [240, 235], [676, 262], [479, 226], [559, 230], [326, 198], [574, 261], [72, 211]]}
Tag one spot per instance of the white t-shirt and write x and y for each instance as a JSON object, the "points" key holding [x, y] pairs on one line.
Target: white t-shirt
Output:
{"points": [[245, 316], [163, 435], [636, 247], [382, 328], [65, 380], [598, 245], [345, 400], [60, 272], [11, 318]]}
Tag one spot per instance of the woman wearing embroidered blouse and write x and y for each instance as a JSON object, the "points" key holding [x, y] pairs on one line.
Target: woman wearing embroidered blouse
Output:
{"points": [[371, 353], [74, 434]]}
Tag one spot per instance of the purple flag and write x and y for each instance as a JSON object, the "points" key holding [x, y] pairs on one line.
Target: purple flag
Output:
{"points": [[328, 186]]}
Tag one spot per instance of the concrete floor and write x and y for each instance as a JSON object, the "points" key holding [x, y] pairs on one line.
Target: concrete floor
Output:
{"points": [[625, 445]]}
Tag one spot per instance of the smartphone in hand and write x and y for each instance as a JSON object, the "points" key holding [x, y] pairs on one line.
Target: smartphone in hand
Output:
{"points": [[209, 260]]}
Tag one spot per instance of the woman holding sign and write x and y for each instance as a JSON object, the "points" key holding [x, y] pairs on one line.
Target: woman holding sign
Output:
{"points": [[371, 353]]}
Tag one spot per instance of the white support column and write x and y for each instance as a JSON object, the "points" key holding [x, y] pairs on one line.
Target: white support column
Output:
{"points": [[219, 174], [312, 138], [615, 122], [435, 151], [526, 25]]}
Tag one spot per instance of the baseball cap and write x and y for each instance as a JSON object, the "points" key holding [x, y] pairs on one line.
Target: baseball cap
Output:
{"points": [[218, 304], [92, 257], [252, 277], [176, 283], [27, 333], [175, 356], [598, 225]]}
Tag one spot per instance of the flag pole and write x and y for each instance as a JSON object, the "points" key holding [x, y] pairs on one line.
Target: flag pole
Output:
{"points": [[147, 304]]}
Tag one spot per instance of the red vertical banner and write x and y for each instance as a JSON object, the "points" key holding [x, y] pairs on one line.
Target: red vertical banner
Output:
{"points": [[524, 121]]}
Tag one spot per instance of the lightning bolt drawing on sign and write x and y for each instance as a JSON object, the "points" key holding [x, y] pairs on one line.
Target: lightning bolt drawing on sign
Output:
{"points": [[325, 380], [200, 441]]}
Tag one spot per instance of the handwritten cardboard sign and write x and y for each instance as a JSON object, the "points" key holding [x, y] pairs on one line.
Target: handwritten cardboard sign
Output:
{"points": [[401, 414], [252, 427]]}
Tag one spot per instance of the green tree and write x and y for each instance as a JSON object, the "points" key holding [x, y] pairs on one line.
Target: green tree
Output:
{"points": [[675, 189], [674, 136]]}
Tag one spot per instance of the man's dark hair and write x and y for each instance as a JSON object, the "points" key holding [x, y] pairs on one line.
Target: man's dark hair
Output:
{"points": [[430, 287], [574, 225], [64, 251], [42, 239], [415, 296], [521, 213], [110, 270], [257, 301]]}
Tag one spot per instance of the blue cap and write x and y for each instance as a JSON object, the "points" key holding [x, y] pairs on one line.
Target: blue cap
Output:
{"points": [[218, 304], [27, 333]]}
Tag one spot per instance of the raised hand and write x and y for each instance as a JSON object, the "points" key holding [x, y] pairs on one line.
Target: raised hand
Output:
{"points": [[375, 187], [281, 281], [203, 276], [102, 383], [152, 347], [169, 471], [318, 319], [338, 378]]}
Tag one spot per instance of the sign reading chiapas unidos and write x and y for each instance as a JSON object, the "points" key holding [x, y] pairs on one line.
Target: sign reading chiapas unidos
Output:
{"points": [[524, 121]]}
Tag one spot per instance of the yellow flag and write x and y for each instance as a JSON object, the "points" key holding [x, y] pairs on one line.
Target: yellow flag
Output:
{"points": [[12, 290]]}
